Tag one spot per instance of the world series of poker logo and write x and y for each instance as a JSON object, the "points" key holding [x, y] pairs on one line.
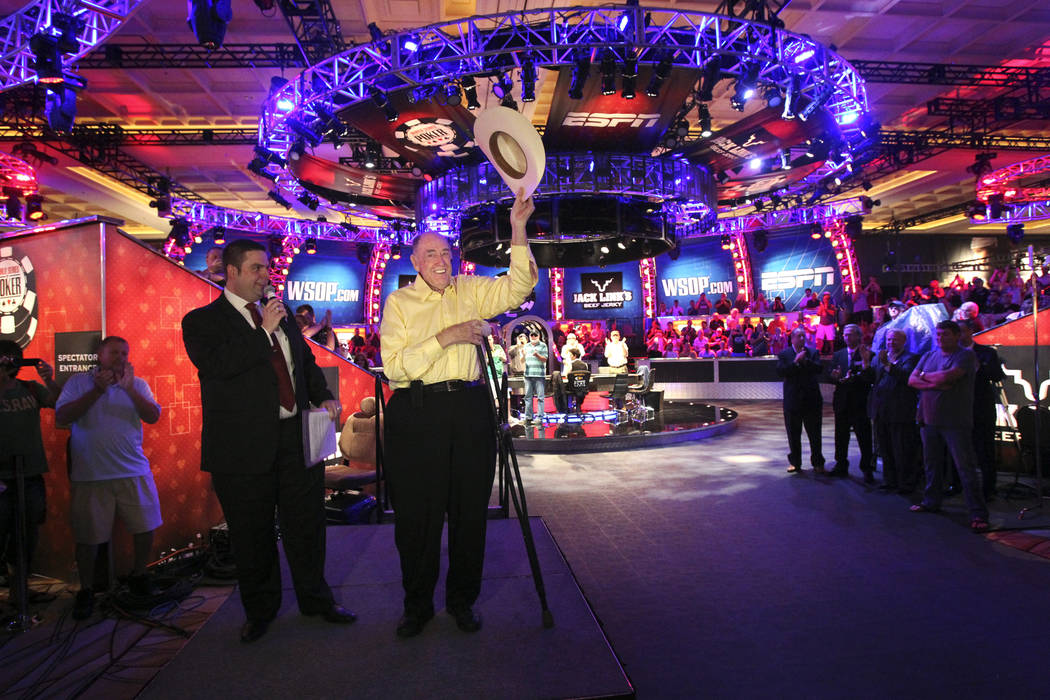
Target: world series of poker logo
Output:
{"points": [[602, 290], [18, 312]]}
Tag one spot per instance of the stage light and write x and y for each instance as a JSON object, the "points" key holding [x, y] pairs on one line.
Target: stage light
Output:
{"points": [[311, 247], [269, 156], [711, 75], [309, 201], [180, 231], [816, 230], [377, 36], [996, 208], [276, 196], [208, 20], [34, 210], [395, 252], [705, 121], [13, 206], [773, 97], [849, 117], [1015, 232], [309, 135], [383, 102], [792, 96], [867, 204], [581, 69], [660, 74], [760, 238], [258, 167], [755, 163], [372, 155], [725, 241], [47, 58], [162, 204], [866, 185], [630, 76], [805, 55], [411, 44], [977, 211], [502, 86], [528, 80], [854, 226], [60, 107], [759, 205], [785, 159], [819, 101], [608, 70], [218, 234], [470, 90]]}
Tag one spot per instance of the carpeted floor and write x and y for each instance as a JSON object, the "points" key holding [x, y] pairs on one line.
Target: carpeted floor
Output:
{"points": [[714, 574]]}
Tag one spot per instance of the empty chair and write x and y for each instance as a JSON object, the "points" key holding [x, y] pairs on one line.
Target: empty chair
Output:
{"points": [[619, 391]]}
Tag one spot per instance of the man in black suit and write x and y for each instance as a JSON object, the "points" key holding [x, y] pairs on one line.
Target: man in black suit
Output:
{"points": [[852, 374], [800, 366], [257, 376], [985, 397], [892, 407]]}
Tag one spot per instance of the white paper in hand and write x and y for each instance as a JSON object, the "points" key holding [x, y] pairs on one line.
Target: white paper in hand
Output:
{"points": [[318, 436]]}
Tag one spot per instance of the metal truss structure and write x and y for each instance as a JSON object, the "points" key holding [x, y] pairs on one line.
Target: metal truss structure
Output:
{"points": [[898, 225], [631, 175], [21, 130], [1019, 212], [203, 215], [975, 264], [315, 27], [147, 56], [552, 38], [784, 218], [88, 25], [935, 141], [987, 115], [15, 172], [950, 74]]}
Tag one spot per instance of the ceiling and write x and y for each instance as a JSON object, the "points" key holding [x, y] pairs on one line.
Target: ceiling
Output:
{"points": [[980, 32]]}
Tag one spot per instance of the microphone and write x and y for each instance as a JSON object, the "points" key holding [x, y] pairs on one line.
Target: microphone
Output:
{"points": [[268, 293]]}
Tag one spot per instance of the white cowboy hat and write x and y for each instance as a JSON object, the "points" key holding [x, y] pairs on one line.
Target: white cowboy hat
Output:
{"points": [[511, 144]]}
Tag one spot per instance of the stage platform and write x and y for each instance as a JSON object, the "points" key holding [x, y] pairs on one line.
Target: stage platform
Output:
{"points": [[600, 429], [513, 656]]}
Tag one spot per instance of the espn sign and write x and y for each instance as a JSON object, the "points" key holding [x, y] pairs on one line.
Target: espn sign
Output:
{"points": [[603, 120], [797, 279]]}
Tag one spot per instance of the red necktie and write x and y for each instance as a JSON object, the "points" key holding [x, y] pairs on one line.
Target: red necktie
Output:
{"points": [[285, 391]]}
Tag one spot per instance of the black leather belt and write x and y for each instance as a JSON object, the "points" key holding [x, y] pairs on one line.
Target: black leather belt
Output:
{"points": [[446, 386]]}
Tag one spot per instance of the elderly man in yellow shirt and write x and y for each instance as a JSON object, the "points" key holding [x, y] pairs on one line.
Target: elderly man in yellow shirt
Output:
{"points": [[440, 445]]}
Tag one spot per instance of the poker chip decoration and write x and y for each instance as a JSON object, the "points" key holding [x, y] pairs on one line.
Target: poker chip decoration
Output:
{"points": [[18, 309], [438, 135]]}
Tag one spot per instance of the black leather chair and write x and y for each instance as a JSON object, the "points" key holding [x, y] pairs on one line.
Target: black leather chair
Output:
{"points": [[578, 386], [619, 391]]}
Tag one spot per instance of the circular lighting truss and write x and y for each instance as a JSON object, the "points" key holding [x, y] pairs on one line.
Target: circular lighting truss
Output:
{"points": [[1001, 198], [811, 76]]}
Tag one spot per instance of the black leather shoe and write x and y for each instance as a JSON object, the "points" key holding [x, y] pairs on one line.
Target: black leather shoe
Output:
{"points": [[841, 473], [466, 619], [412, 625], [335, 614], [869, 478], [253, 630]]}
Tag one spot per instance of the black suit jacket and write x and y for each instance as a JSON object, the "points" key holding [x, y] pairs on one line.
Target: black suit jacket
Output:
{"points": [[851, 394], [985, 391], [239, 386], [892, 400], [801, 388]]}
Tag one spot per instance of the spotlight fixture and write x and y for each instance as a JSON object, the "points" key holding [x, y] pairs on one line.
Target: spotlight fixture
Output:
{"points": [[218, 234], [395, 252], [977, 211], [208, 20], [867, 204], [711, 75], [308, 200], [705, 120], [269, 156], [1015, 232], [310, 246], [330, 124], [791, 97], [630, 75], [996, 208], [276, 196], [309, 135], [180, 231], [819, 101], [450, 95], [13, 206], [528, 79], [660, 74], [725, 241], [47, 58], [760, 239], [60, 108], [411, 44], [608, 70], [816, 230], [982, 165], [258, 167], [372, 155], [35, 207], [502, 86], [773, 97], [581, 68], [785, 159], [377, 36], [383, 102], [745, 88], [854, 226], [470, 90]]}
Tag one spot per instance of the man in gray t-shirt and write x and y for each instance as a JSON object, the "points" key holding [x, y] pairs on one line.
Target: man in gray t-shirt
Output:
{"points": [[944, 378]]}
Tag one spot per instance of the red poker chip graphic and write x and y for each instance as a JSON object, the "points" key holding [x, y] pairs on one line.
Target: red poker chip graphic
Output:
{"points": [[438, 135], [18, 310]]}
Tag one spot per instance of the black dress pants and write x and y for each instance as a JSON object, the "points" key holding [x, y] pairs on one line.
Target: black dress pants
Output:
{"points": [[248, 502], [899, 445], [440, 459], [984, 446], [847, 421], [811, 419]]}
